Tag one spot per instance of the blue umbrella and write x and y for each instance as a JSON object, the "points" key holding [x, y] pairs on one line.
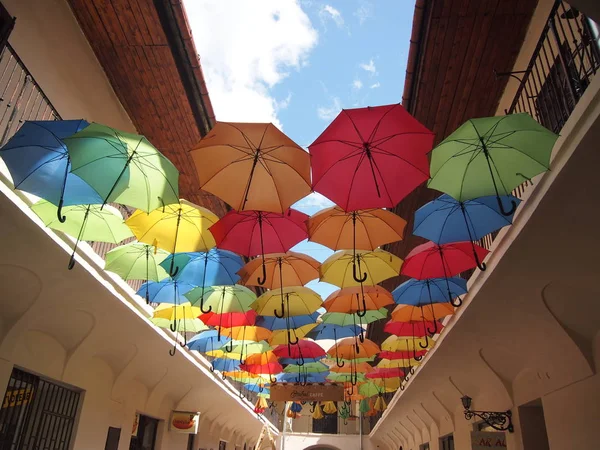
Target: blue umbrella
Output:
{"points": [[165, 291], [275, 323], [256, 388], [39, 163], [213, 268], [298, 361], [445, 219], [302, 378], [207, 341], [332, 331], [433, 290], [224, 364]]}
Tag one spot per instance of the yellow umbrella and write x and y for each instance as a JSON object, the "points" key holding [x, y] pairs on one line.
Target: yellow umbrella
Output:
{"points": [[181, 227], [282, 269], [247, 333], [435, 311], [350, 299], [403, 343], [181, 318], [397, 363], [283, 337], [363, 229], [246, 377], [291, 301], [344, 269], [252, 166], [361, 367], [388, 384]]}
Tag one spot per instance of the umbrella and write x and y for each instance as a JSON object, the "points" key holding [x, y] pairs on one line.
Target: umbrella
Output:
{"points": [[445, 220], [181, 227], [360, 367], [404, 344], [224, 364], [299, 301], [165, 291], [222, 299], [430, 260], [283, 269], [362, 229], [433, 312], [348, 300], [123, 167], [237, 349], [136, 261], [413, 330], [331, 331], [248, 333], [212, 268], [252, 166], [179, 318], [207, 341], [302, 378], [252, 233], [276, 323], [369, 389], [256, 388], [262, 358], [345, 320], [285, 336], [356, 160], [87, 223], [303, 349], [431, 290], [313, 367], [404, 354], [491, 156], [396, 363], [229, 320], [352, 378], [348, 348], [39, 163], [271, 368]]}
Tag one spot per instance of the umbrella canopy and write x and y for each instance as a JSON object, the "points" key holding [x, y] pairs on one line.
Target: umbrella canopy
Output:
{"points": [[123, 167], [229, 320], [309, 367], [239, 350], [384, 354], [165, 291], [212, 268], [491, 156], [288, 301], [176, 228], [340, 269], [409, 329], [246, 377], [207, 341], [222, 299], [349, 348], [347, 377], [283, 269], [430, 260], [360, 367], [262, 358], [252, 166], [433, 312], [248, 333], [136, 261], [285, 337], [303, 349], [302, 378], [331, 331], [405, 344], [356, 299], [86, 223], [182, 318], [357, 159], [397, 363], [39, 163], [364, 229], [370, 389], [284, 323], [379, 373], [271, 368], [224, 365], [345, 320], [431, 290]]}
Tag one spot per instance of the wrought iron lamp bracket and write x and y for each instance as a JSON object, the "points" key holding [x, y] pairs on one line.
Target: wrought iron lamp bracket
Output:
{"points": [[501, 421]]}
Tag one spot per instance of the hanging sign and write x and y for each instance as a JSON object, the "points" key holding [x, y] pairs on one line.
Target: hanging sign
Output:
{"points": [[136, 424], [17, 397], [312, 392], [184, 422], [485, 440]]}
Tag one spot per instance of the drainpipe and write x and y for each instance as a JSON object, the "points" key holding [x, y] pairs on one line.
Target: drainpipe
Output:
{"points": [[285, 411], [360, 427]]}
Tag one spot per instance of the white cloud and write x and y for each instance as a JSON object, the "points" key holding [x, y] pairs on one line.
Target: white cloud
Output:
{"points": [[283, 104], [328, 12], [314, 200], [369, 67], [364, 11], [375, 85], [246, 48], [357, 84], [331, 111]]}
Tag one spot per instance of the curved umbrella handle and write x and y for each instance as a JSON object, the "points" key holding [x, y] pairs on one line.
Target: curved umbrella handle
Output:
{"points": [[412, 369], [295, 341], [261, 388], [202, 306], [184, 343], [301, 359], [435, 329], [351, 391], [313, 405], [211, 368], [59, 213], [402, 387], [415, 356], [337, 361], [276, 313], [426, 345], [229, 348], [263, 280], [223, 376], [512, 210], [271, 379], [363, 312], [355, 274], [173, 326], [480, 265], [458, 303], [361, 336], [173, 350], [147, 297]]}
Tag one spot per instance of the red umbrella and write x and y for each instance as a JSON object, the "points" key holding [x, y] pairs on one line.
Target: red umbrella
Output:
{"points": [[370, 157], [430, 260], [271, 368], [303, 349], [386, 373], [230, 319], [252, 233], [409, 329], [400, 355]]}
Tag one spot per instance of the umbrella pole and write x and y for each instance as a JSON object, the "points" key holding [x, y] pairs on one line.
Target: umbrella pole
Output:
{"points": [[498, 199], [262, 251], [147, 273], [184, 330], [337, 360], [61, 201], [355, 260], [247, 190], [171, 272], [203, 287], [275, 312], [118, 178], [480, 265], [450, 299], [79, 235], [435, 330], [367, 150]]}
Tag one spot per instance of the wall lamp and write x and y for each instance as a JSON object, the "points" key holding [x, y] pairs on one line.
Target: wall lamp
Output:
{"points": [[501, 421]]}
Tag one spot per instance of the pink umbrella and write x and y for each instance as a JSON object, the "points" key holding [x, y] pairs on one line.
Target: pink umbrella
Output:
{"points": [[303, 349]]}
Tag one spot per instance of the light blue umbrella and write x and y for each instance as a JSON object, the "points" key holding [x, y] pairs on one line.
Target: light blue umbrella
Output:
{"points": [[39, 163], [332, 331], [275, 323], [225, 364], [433, 290], [165, 291], [302, 378], [212, 268], [207, 341]]}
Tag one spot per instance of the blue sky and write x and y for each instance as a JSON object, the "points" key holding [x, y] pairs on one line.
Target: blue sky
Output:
{"points": [[297, 63]]}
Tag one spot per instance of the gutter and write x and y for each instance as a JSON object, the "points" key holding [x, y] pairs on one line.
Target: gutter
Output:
{"points": [[175, 24]]}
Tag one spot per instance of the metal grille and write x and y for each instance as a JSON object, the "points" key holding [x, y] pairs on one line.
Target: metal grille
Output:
{"points": [[327, 425], [37, 414]]}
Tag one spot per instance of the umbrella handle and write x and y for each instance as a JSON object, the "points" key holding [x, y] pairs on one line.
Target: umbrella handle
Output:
{"points": [[351, 391], [261, 388], [271, 379], [480, 265], [355, 275], [263, 280], [59, 213], [421, 345], [313, 405], [458, 303], [276, 313], [361, 336], [415, 356], [402, 387], [211, 368], [337, 361], [412, 369], [173, 350], [435, 329], [202, 306], [184, 340], [295, 341], [501, 206], [363, 312], [223, 376], [229, 348], [301, 359], [173, 326]]}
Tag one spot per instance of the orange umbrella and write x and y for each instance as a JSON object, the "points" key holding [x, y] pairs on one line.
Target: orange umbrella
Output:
{"points": [[349, 300], [350, 348], [362, 367], [247, 333], [283, 269], [252, 166], [363, 229], [262, 358], [433, 312]]}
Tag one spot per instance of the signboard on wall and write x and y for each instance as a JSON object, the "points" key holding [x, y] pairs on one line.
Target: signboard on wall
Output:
{"points": [[288, 392], [136, 424], [485, 440], [185, 422]]}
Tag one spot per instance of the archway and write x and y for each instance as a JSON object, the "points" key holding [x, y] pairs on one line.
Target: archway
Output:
{"points": [[321, 447]]}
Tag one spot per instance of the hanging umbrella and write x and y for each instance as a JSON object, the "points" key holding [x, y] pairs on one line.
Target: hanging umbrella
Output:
{"points": [[165, 291], [245, 377], [396, 364], [345, 320], [352, 378], [431, 290], [303, 349], [329, 407], [176, 228], [222, 299], [369, 389], [262, 358], [421, 329], [271, 368], [248, 333], [257, 388], [285, 336], [350, 299], [405, 344], [123, 167], [252, 233], [348, 348], [445, 220], [224, 364], [276, 323], [212, 268], [314, 367], [229, 320], [180, 319], [288, 301], [356, 160], [378, 265], [433, 312], [302, 378], [238, 349], [86, 223], [252, 166], [287, 361], [430, 260], [283, 269], [39, 163], [136, 261], [491, 156], [384, 354], [207, 341], [381, 373], [329, 331], [360, 367]]}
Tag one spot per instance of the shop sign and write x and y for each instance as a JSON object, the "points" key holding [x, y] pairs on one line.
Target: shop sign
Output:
{"points": [[312, 392], [17, 397], [136, 424], [485, 440], [184, 422]]}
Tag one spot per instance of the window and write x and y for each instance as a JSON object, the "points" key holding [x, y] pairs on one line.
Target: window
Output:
{"points": [[222, 445], [112, 439], [424, 446], [447, 442]]}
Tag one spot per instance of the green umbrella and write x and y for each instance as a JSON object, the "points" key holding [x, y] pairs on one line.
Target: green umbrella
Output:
{"points": [[137, 261], [123, 167], [240, 349], [369, 389], [344, 319], [491, 156], [223, 299], [346, 377], [313, 367], [86, 223]]}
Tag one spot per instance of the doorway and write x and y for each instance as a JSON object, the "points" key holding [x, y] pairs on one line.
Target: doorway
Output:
{"points": [[533, 426], [145, 438]]}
